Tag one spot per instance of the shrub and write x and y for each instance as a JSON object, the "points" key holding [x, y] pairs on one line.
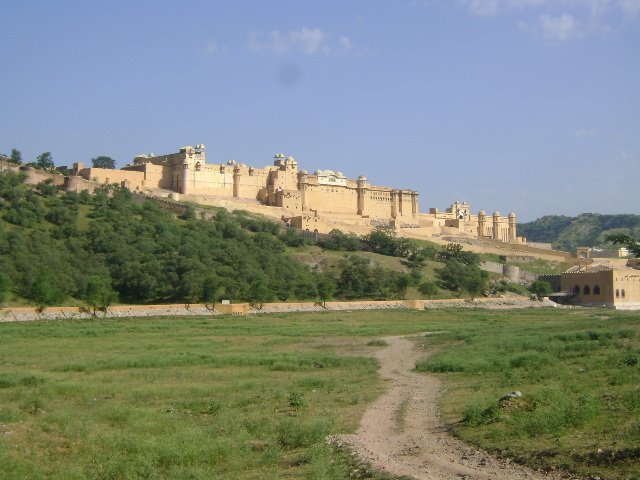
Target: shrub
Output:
{"points": [[295, 432]]}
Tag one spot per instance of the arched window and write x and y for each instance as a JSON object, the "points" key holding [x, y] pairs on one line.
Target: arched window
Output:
{"points": [[617, 293], [596, 290], [586, 290], [576, 290], [623, 293]]}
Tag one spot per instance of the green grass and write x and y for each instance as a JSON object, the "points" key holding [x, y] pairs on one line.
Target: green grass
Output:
{"points": [[579, 376], [330, 258], [248, 398], [542, 266]]}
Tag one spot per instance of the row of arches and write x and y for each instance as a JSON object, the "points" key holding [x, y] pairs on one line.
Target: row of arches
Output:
{"points": [[586, 290]]}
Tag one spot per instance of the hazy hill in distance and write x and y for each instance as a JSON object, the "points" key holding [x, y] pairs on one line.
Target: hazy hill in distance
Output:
{"points": [[585, 230]]}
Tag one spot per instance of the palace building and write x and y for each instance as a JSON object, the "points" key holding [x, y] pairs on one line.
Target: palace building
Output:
{"points": [[318, 201]]}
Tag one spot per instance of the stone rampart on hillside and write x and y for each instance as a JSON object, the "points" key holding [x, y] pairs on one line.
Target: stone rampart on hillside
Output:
{"points": [[34, 176], [511, 272]]}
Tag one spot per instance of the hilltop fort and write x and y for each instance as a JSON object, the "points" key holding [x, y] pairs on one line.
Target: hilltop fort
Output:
{"points": [[318, 201]]}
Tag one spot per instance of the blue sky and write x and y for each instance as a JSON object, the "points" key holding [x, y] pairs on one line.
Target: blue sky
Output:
{"points": [[524, 105]]}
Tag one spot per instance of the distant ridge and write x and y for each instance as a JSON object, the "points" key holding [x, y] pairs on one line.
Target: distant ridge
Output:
{"points": [[585, 230]]}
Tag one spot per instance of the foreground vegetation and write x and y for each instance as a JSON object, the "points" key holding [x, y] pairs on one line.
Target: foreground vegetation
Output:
{"points": [[241, 398], [579, 376]]}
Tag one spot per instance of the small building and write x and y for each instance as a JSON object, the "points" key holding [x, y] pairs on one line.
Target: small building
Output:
{"points": [[236, 309], [603, 285]]}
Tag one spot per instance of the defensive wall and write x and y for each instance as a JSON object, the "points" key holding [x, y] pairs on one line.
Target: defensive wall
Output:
{"points": [[122, 311], [33, 175], [511, 272], [24, 314]]}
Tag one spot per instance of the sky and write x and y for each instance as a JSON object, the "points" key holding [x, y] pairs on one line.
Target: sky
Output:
{"points": [[530, 106]]}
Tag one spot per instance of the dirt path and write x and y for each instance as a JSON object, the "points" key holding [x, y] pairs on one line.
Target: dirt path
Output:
{"points": [[402, 434]]}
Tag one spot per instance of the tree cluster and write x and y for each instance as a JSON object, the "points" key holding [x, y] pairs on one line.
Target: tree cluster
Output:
{"points": [[99, 248], [631, 244], [358, 278], [587, 229]]}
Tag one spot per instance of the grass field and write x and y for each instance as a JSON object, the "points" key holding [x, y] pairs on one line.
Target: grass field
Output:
{"points": [[254, 398]]}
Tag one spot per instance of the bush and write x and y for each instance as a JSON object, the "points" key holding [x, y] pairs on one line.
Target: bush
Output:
{"points": [[541, 288], [475, 414], [296, 432]]}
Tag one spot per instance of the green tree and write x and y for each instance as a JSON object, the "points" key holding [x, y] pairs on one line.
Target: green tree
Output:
{"points": [[16, 157], [47, 188], [454, 251], [632, 244], [100, 293], [44, 161], [259, 292], [428, 288], [193, 286], [401, 284], [212, 288], [476, 282], [189, 213], [541, 288], [338, 240], [60, 215], [4, 286], [292, 238], [46, 290], [326, 288], [103, 162], [459, 277], [382, 240]]}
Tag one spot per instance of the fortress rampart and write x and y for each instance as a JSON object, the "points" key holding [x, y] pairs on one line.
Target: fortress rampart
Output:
{"points": [[318, 201]]}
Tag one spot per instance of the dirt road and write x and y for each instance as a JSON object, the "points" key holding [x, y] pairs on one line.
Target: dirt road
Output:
{"points": [[402, 434]]}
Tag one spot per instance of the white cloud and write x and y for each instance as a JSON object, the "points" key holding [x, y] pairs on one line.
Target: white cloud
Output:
{"points": [[493, 7], [630, 8], [487, 8], [556, 20], [585, 132], [627, 155], [308, 41], [562, 27], [345, 43], [213, 48], [483, 8]]}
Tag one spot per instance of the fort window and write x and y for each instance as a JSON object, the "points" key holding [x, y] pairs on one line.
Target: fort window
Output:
{"points": [[617, 293], [623, 293], [596, 290], [586, 290], [576, 290]]}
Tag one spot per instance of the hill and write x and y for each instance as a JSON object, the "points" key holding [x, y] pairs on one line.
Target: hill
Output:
{"points": [[69, 248], [585, 230]]}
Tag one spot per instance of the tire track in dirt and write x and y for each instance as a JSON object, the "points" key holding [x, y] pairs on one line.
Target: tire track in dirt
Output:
{"points": [[402, 433]]}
